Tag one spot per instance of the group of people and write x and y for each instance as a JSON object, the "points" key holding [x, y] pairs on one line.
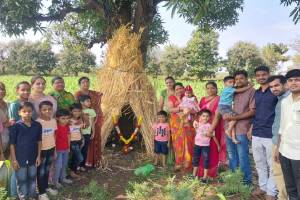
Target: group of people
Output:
{"points": [[268, 119], [39, 133]]}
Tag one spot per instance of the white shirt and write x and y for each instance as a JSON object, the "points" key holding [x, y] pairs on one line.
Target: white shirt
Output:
{"points": [[289, 129]]}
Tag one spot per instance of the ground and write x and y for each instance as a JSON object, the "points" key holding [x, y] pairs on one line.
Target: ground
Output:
{"points": [[115, 179]]}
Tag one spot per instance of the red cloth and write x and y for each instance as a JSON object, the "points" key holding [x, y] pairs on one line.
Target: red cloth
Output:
{"points": [[61, 137], [214, 156]]}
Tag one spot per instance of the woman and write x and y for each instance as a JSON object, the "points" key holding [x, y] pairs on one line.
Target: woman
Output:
{"points": [[94, 152], [4, 137], [183, 132], [211, 102], [64, 99], [166, 93], [37, 95]]}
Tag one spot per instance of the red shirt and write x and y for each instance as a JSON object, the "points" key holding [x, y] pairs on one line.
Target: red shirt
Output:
{"points": [[62, 137]]}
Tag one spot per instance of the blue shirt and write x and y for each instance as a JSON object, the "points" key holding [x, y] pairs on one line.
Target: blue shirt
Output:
{"points": [[276, 124], [265, 103], [26, 141], [13, 111], [227, 96]]}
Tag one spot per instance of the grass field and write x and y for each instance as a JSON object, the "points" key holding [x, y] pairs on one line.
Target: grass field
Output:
{"points": [[71, 84]]}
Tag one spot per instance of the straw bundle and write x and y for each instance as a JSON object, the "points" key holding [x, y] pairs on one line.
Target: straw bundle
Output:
{"points": [[123, 82]]}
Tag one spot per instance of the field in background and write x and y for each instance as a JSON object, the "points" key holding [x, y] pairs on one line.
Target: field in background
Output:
{"points": [[72, 84]]}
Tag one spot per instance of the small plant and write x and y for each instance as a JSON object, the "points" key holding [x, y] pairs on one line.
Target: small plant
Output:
{"points": [[95, 192], [3, 194], [233, 184], [139, 191]]}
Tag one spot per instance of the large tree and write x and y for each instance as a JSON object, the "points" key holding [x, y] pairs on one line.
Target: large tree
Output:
{"points": [[202, 53], [243, 55], [273, 54], [96, 20]]}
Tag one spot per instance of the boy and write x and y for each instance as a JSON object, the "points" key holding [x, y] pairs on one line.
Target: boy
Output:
{"points": [[88, 133], [76, 124], [161, 138], [25, 147], [226, 101], [49, 127], [62, 142]]}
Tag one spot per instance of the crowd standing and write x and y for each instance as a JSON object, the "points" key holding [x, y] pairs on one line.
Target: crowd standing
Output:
{"points": [[43, 135]]}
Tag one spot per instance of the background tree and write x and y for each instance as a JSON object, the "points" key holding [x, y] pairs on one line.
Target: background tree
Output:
{"points": [[243, 55], [72, 60], [152, 64], [96, 20], [273, 53], [173, 61], [296, 58], [29, 58], [3, 55], [202, 53]]}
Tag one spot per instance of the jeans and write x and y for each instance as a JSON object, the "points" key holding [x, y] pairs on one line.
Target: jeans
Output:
{"points": [[76, 156], [85, 148], [238, 155], [61, 164], [279, 179], [198, 152], [43, 169], [262, 154], [26, 186], [291, 174]]}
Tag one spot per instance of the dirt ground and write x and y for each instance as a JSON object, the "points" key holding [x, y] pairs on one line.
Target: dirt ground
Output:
{"points": [[116, 176]]}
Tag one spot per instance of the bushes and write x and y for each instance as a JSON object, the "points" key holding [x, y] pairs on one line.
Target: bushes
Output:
{"points": [[95, 192]]}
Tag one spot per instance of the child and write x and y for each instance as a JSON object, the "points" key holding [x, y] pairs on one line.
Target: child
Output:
{"points": [[62, 142], [25, 147], [23, 92], [225, 104], [76, 124], [161, 138], [202, 142], [88, 133], [189, 103], [49, 127]]}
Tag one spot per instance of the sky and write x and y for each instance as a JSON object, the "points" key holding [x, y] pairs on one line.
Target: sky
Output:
{"points": [[261, 22]]}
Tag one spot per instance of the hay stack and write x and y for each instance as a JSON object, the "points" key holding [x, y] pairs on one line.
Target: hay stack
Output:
{"points": [[123, 81]]}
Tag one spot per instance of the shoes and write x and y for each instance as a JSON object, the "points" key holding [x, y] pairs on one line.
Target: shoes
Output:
{"points": [[43, 197], [58, 185], [52, 192], [67, 181]]}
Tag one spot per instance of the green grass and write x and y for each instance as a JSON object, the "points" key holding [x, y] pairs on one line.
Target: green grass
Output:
{"points": [[71, 84]]}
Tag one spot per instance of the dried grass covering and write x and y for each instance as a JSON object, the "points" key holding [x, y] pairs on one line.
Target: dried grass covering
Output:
{"points": [[123, 81]]}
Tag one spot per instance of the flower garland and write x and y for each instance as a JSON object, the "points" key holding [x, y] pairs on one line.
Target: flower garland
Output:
{"points": [[132, 137]]}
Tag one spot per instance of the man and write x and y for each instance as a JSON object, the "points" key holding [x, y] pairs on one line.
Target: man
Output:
{"points": [[244, 107], [277, 87], [265, 103], [64, 99], [289, 136]]}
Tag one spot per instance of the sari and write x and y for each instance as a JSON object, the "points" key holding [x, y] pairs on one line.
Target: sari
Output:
{"points": [[94, 151], [182, 135], [64, 99], [215, 157]]}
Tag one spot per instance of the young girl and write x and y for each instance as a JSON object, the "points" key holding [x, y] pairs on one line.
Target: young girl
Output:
{"points": [[189, 103], [49, 127], [62, 143], [25, 147], [161, 137], [76, 124], [202, 141]]}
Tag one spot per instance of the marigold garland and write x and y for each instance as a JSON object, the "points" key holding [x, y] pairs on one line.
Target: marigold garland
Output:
{"points": [[121, 136]]}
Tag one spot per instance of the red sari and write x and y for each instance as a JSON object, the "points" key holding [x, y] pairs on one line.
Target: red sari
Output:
{"points": [[215, 157], [94, 151], [182, 138]]}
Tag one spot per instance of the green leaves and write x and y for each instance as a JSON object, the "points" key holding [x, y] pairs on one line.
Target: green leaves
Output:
{"points": [[273, 53], [295, 13]]}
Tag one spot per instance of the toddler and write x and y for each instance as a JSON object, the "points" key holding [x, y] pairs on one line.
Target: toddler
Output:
{"points": [[161, 137], [202, 142], [226, 101], [189, 103]]}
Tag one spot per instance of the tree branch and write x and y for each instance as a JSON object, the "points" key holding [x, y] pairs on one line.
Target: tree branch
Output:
{"points": [[58, 17]]}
